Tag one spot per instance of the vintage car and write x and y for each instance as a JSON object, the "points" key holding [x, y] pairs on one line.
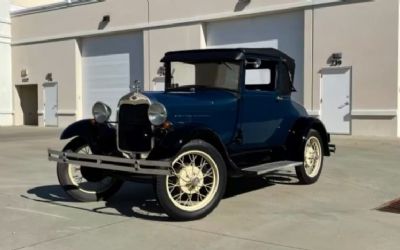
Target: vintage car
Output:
{"points": [[224, 113]]}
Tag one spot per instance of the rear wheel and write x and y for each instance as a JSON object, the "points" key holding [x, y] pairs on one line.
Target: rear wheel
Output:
{"points": [[83, 183], [313, 153], [197, 182]]}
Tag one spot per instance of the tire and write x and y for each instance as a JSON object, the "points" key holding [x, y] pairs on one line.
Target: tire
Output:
{"points": [[197, 184], [84, 191], [313, 155]]}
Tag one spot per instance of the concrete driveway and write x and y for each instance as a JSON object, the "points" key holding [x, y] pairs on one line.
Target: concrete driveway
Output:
{"points": [[338, 212]]}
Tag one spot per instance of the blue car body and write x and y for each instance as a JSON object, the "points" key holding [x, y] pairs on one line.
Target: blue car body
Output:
{"points": [[263, 120], [247, 126]]}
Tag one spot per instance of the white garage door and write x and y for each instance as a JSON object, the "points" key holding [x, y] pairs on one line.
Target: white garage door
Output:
{"points": [[281, 31], [110, 64]]}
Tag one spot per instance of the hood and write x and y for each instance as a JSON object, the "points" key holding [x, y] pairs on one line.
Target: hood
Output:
{"points": [[212, 109], [195, 106]]}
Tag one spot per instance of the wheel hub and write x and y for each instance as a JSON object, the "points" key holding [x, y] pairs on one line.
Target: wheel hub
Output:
{"points": [[190, 179], [311, 156]]}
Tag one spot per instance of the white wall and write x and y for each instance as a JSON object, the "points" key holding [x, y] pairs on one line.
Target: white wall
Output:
{"points": [[6, 116]]}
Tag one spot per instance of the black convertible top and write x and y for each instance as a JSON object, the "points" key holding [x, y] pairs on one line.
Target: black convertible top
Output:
{"points": [[236, 54]]}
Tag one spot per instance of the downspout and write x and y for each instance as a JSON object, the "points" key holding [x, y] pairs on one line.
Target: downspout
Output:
{"points": [[148, 46]]}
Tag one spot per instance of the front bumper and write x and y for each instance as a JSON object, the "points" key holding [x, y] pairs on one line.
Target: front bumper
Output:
{"points": [[132, 166], [332, 148]]}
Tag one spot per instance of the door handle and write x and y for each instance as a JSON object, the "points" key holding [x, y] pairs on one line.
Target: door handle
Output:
{"points": [[344, 105]]}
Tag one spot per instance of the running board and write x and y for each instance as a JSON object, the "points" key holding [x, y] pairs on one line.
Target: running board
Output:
{"points": [[269, 167]]}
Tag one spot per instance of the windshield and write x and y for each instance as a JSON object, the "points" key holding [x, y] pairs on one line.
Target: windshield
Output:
{"points": [[221, 75]]}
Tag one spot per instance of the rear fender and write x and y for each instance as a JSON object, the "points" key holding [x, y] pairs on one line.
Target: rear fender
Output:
{"points": [[100, 137], [298, 134]]}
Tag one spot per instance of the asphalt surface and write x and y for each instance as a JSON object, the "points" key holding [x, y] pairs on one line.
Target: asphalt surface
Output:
{"points": [[338, 212]]}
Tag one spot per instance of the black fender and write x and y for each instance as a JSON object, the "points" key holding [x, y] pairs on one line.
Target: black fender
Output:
{"points": [[101, 137], [298, 134], [174, 140]]}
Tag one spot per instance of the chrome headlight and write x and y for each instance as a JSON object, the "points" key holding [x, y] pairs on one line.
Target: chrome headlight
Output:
{"points": [[101, 112], [157, 114]]}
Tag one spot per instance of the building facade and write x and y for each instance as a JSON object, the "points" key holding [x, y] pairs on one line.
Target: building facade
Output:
{"points": [[66, 56], [6, 107]]}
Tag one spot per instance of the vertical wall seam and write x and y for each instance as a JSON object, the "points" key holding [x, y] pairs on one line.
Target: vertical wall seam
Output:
{"points": [[312, 59], [398, 70]]}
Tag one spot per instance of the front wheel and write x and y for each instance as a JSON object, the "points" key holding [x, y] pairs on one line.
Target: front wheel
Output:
{"points": [[82, 183], [197, 182], [313, 153]]}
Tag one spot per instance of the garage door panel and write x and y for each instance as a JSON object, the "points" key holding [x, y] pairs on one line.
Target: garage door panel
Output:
{"points": [[280, 31], [110, 64]]}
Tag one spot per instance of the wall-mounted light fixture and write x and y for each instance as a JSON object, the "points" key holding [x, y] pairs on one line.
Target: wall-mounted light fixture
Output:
{"points": [[161, 71], [241, 5], [104, 21], [24, 73], [335, 59], [49, 77]]}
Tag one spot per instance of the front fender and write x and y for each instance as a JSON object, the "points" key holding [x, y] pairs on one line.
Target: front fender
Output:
{"points": [[169, 144], [174, 140], [298, 134], [100, 137], [80, 128]]}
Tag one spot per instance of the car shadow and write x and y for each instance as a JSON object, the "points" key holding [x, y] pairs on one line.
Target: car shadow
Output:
{"points": [[138, 200], [140, 203]]}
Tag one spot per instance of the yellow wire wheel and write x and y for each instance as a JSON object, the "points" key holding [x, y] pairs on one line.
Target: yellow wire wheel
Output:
{"points": [[313, 157], [196, 183]]}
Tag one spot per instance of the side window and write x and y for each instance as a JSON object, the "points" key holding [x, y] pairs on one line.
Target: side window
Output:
{"points": [[284, 87], [260, 77]]}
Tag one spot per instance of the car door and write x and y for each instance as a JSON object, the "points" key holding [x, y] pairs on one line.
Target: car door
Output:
{"points": [[265, 114]]}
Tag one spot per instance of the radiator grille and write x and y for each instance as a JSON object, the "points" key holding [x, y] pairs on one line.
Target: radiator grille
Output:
{"points": [[134, 128]]}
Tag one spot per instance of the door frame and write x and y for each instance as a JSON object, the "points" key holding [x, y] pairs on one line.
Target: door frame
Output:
{"points": [[47, 84], [321, 73]]}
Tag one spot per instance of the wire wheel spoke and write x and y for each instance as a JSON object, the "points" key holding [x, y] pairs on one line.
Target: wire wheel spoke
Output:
{"points": [[193, 180], [171, 187]]}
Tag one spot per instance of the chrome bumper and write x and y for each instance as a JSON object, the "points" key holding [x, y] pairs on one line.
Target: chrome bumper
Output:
{"points": [[111, 163]]}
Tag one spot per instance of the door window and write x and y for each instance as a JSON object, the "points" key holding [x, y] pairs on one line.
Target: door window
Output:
{"points": [[260, 77]]}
